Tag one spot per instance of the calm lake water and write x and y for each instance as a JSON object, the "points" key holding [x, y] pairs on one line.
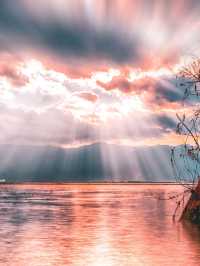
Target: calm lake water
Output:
{"points": [[93, 225]]}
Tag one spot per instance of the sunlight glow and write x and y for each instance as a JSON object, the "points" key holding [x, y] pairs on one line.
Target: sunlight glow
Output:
{"points": [[129, 105], [139, 74], [105, 76]]}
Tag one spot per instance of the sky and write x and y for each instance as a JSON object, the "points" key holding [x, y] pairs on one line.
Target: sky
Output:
{"points": [[78, 72]]}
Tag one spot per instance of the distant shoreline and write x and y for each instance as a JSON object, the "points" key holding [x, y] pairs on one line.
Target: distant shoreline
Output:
{"points": [[92, 183]]}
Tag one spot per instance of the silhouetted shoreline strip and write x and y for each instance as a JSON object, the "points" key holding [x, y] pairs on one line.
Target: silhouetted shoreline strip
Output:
{"points": [[92, 183]]}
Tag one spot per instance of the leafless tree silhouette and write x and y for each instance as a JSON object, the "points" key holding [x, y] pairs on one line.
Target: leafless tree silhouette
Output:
{"points": [[185, 158], [188, 127]]}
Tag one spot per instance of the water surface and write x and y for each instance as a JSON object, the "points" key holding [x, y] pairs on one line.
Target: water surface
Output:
{"points": [[93, 225]]}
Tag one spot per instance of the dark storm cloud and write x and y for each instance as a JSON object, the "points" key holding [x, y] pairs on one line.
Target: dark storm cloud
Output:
{"points": [[20, 28], [168, 90], [170, 95], [166, 122]]}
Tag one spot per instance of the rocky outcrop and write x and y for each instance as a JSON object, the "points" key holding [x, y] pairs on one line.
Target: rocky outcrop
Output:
{"points": [[191, 211]]}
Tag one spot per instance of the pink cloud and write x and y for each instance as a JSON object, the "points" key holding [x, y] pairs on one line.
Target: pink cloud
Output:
{"points": [[122, 84], [9, 69], [91, 97]]}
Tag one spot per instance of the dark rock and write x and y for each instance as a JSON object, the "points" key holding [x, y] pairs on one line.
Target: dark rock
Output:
{"points": [[192, 208]]}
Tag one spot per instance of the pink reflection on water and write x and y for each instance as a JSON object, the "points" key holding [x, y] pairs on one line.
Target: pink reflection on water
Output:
{"points": [[93, 225]]}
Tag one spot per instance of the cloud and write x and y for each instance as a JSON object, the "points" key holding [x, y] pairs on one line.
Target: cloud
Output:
{"points": [[49, 109], [120, 83], [158, 91], [65, 39], [9, 69], [127, 86], [76, 70], [91, 97], [166, 122], [100, 32], [19, 127], [64, 101]]}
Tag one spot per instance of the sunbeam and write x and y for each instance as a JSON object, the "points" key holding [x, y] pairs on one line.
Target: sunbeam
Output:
{"points": [[74, 76]]}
